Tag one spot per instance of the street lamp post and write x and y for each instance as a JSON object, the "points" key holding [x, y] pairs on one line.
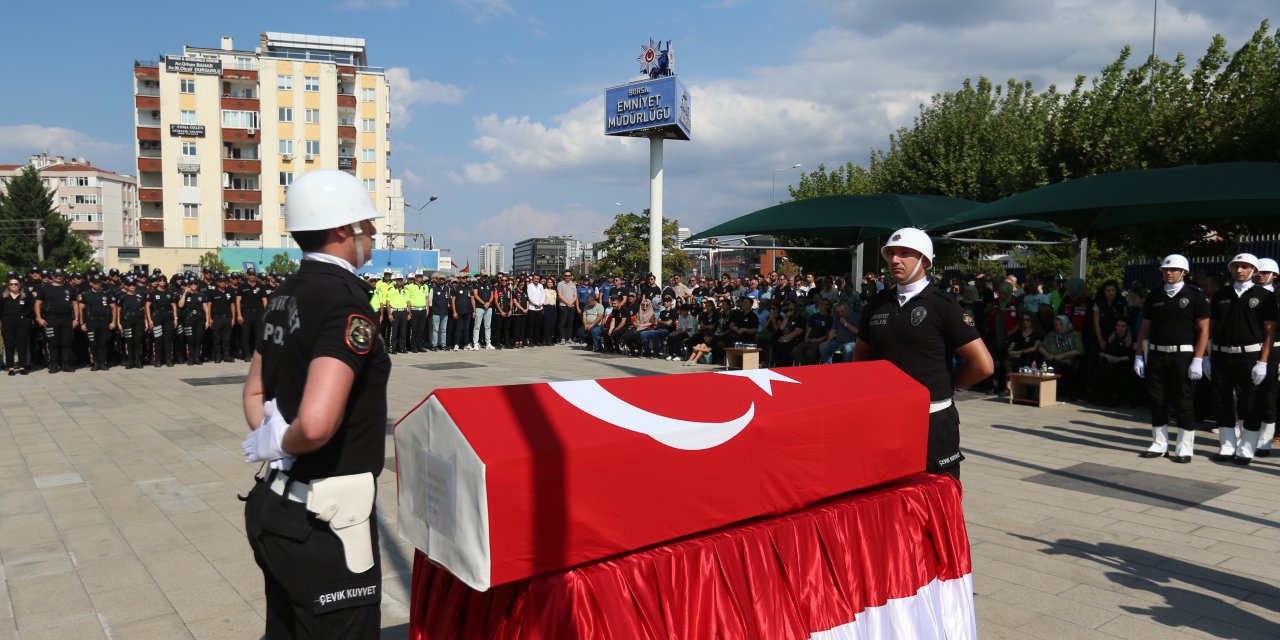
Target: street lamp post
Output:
{"points": [[774, 192], [431, 199]]}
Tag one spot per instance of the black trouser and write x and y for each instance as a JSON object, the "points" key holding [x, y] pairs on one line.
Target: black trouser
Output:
{"points": [[1233, 385], [676, 343], [462, 330], [221, 338], [1167, 383], [549, 319], [162, 340], [309, 590], [564, 320], [418, 329], [516, 329], [535, 324], [249, 331], [99, 333], [36, 346], [58, 340], [131, 330], [193, 331], [943, 454], [16, 332], [501, 324], [399, 328]]}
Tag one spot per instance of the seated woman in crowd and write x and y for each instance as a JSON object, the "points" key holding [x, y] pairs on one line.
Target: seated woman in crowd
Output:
{"points": [[1062, 350], [1024, 345], [1116, 381], [646, 320]]}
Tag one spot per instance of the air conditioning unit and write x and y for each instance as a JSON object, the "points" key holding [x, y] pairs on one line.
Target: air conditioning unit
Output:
{"points": [[251, 131], [155, 114], [287, 157], [310, 158]]}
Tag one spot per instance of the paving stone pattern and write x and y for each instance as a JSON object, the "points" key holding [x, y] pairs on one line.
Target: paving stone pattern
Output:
{"points": [[119, 517]]}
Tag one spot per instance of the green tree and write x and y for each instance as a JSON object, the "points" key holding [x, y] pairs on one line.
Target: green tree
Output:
{"points": [[626, 247], [25, 206], [282, 265], [212, 261]]}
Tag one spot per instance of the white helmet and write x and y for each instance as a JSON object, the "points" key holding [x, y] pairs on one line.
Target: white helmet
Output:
{"points": [[326, 199], [1175, 261], [1267, 265], [910, 238], [1247, 258]]}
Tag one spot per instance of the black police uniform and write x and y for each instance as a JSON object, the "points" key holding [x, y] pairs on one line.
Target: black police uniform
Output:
{"points": [[36, 344], [97, 312], [194, 321], [15, 328], [919, 338], [322, 312], [1171, 339], [1237, 334], [57, 312], [162, 329], [251, 305], [222, 303], [462, 305], [440, 297], [132, 326], [501, 323]]}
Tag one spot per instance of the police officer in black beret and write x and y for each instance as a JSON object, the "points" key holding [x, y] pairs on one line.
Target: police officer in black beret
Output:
{"points": [[316, 399], [916, 326]]}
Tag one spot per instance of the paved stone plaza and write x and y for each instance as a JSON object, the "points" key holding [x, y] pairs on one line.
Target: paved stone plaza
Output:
{"points": [[119, 517]]}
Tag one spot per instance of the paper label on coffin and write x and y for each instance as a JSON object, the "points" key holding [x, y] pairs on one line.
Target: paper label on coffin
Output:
{"points": [[547, 476]]}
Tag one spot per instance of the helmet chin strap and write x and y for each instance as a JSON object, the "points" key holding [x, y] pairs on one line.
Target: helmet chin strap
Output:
{"points": [[356, 231]]}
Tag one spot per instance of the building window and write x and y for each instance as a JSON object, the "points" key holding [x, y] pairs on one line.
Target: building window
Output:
{"points": [[86, 199], [286, 242], [368, 125], [313, 116], [246, 213], [312, 83], [190, 180], [243, 184], [368, 155], [284, 83], [65, 200], [286, 114], [191, 242], [188, 148], [187, 85], [240, 119], [370, 184], [243, 63], [313, 147], [286, 178], [190, 211], [82, 181], [187, 117], [286, 146], [368, 94]]}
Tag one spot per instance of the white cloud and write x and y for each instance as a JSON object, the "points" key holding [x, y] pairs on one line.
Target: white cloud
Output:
{"points": [[407, 92], [17, 142], [365, 5], [412, 179], [483, 10], [523, 220], [482, 172]]}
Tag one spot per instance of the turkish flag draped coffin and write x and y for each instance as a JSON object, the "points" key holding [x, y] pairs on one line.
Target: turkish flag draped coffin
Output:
{"points": [[885, 563], [501, 483]]}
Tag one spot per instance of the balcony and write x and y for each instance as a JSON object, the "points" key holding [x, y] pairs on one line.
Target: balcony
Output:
{"points": [[239, 104], [151, 225], [230, 165], [152, 71], [344, 70], [241, 196], [239, 135], [147, 102], [148, 133], [150, 195], [239, 74], [242, 226], [346, 102], [346, 132], [149, 164]]}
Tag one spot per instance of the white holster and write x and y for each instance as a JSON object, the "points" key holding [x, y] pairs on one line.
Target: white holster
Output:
{"points": [[346, 502]]}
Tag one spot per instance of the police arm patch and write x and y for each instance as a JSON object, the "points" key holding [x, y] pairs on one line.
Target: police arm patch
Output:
{"points": [[360, 333]]}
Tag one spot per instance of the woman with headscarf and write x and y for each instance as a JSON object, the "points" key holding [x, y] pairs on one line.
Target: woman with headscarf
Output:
{"points": [[1062, 350], [645, 320]]}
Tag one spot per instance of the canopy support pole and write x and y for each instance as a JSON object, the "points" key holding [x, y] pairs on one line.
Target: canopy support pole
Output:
{"points": [[1081, 262], [857, 262]]}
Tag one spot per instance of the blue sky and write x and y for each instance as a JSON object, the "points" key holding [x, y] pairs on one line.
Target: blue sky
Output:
{"points": [[498, 103]]}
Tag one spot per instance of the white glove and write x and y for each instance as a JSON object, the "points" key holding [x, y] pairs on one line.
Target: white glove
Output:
{"points": [[1140, 366], [1207, 368], [266, 443], [1196, 371], [1259, 372]]}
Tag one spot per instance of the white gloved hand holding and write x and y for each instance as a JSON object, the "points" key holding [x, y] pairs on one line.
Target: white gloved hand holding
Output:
{"points": [[266, 443], [1196, 370], [1140, 366], [1259, 372]]}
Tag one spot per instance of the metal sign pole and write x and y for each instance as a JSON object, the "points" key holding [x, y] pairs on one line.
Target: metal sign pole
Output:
{"points": [[655, 206]]}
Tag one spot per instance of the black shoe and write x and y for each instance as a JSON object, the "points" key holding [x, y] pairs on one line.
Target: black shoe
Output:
{"points": [[1262, 453], [94, 367], [1180, 459], [53, 369], [1242, 461], [1222, 457], [1151, 454], [168, 364], [22, 372], [13, 372]]}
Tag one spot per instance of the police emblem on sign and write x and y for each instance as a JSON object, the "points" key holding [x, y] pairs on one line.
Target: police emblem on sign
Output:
{"points": [[1253, 302], [360, 333], [1182, 303], [917, 316]]}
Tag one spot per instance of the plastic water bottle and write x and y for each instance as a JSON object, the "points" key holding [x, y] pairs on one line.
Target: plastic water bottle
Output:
{"points": [[1035, 368]]}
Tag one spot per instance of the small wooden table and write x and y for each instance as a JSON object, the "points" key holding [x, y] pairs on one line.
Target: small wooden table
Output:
{"points": [[742, 358], [1046, 385]]}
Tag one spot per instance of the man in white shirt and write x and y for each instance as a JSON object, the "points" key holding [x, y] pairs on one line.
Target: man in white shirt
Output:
{"points": [[536, 297]]}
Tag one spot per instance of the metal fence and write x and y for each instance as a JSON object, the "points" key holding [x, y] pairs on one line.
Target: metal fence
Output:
{"points": [[1147, 270]]}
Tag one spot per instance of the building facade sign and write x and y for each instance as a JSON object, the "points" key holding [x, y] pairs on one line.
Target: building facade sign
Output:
{"points": [[198, 66], [186, 130]]}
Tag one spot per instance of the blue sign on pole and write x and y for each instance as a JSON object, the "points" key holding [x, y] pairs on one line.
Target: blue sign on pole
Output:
{"points": [[648, 109]]}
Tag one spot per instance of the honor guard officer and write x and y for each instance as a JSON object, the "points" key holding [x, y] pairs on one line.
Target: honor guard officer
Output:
{"points": [[316, 397], [1241, 326], [95, 310], [55, 313], [129, 318], [1269, 390], [418, 292], [917, 326], [221, 314], [251, 299], [1175, 333]]}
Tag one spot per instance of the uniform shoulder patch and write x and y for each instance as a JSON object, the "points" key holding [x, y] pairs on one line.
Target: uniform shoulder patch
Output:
{"points": [[968, 319], [360, 333]]}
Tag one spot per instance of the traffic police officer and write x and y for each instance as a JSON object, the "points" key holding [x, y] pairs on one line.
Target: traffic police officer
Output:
{"points": [[1175, 334], [398, 309], [316, 399], [95, 310], [1241, 326], [418, 292], [917, 326], [55, 313]]}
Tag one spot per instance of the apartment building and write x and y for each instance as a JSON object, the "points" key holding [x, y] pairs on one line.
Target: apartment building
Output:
{"points": [[101, 205], [222, 132], [491, 258]]}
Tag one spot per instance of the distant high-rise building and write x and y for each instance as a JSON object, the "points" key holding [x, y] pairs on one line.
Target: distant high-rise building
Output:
{"points": [[222, 132], [491, 258], [100, 205], [548, 256], [682, 234]]}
